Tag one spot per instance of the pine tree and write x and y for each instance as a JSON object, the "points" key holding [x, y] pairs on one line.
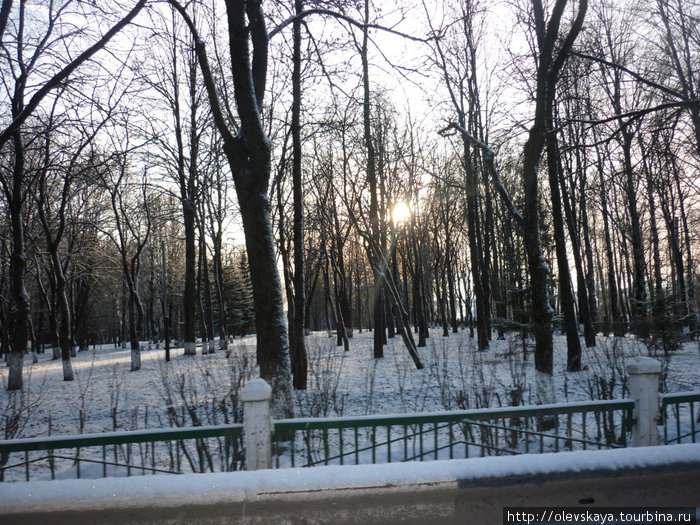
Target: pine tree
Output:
{"points": [[239, 296]]}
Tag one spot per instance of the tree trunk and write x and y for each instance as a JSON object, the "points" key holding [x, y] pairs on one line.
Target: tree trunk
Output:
{"points": [[482, 330], [538, 270], [19, 313], [451, 292], [19, 317], [65, 334], [298, 345], [219, 286], [589, 332], [639, 303], [272, 348], [585, 313], [124, 308], [50, 304], [404, 324], [657, 289], [614, 312], [496, 274], [206, 290], [166, 305], [189, 296], [203, 328], [441, 295], [248, 154], [573, 343], [133, 330], [689, 296], [378, 302]]}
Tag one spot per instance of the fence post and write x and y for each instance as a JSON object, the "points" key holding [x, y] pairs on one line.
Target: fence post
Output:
{"points": [[644, 389], [257, 426]]}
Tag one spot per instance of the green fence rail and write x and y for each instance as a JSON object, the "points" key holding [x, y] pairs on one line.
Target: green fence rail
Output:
{"points": [[349, 440], [171, 450], [454, 434], [680, 417]]}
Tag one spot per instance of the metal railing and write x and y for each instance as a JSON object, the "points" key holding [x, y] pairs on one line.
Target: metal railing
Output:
{"points": [[448, 435], [171, 450], [680, 417], [350, 440]]}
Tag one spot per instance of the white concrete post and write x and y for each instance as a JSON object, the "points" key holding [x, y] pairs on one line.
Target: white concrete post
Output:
{"points": [[257, 425], [644, 388]]}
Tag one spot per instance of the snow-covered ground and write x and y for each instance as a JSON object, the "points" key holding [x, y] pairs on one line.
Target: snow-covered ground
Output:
{"points": [[106, 396], [203, 389]]}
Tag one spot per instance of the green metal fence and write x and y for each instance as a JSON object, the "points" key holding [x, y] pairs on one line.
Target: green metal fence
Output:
{"points": [[680, 417], [172, 451], [349, 440], [455, 434]]}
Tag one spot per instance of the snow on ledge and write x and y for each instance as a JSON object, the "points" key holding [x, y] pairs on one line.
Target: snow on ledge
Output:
{"points": [[207, 489]]}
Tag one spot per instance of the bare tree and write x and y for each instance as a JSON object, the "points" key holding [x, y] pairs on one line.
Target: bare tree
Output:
{"points": [[131, 208], [179, 138], [459, 71], [247, 149], [26, 48], [216, 205], [297, 343], [552, 49]]}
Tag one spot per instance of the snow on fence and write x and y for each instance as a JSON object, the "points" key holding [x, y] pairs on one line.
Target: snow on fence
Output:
{"points": [[680, 417], [127, 453], [263, 443], [453, 434], [496, 431]]}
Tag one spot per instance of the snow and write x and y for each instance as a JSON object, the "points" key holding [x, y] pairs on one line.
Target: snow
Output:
{"points": [[202, 489], [643, 365], [256, 390], [107, 397], [691, 393], [153, 433]]}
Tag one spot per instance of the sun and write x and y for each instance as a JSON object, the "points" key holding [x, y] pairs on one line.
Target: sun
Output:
{"points": [[400, 213]]}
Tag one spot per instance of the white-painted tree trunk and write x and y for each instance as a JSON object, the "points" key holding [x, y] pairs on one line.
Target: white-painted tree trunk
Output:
{"points": [[68, 370], [136, 359], [190, 348]]}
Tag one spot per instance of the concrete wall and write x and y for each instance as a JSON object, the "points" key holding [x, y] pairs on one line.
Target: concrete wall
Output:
{"points": [[472, 491]]}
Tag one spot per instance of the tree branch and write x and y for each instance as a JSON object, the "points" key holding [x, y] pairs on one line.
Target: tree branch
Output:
{"points": [[634, 75], [209, 83], [638, 113], [64, 73], [489, 161], [347, 19], [570, 37]]}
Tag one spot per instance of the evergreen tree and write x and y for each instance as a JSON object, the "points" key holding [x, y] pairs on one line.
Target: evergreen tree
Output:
{"points": [[239, 296]]}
